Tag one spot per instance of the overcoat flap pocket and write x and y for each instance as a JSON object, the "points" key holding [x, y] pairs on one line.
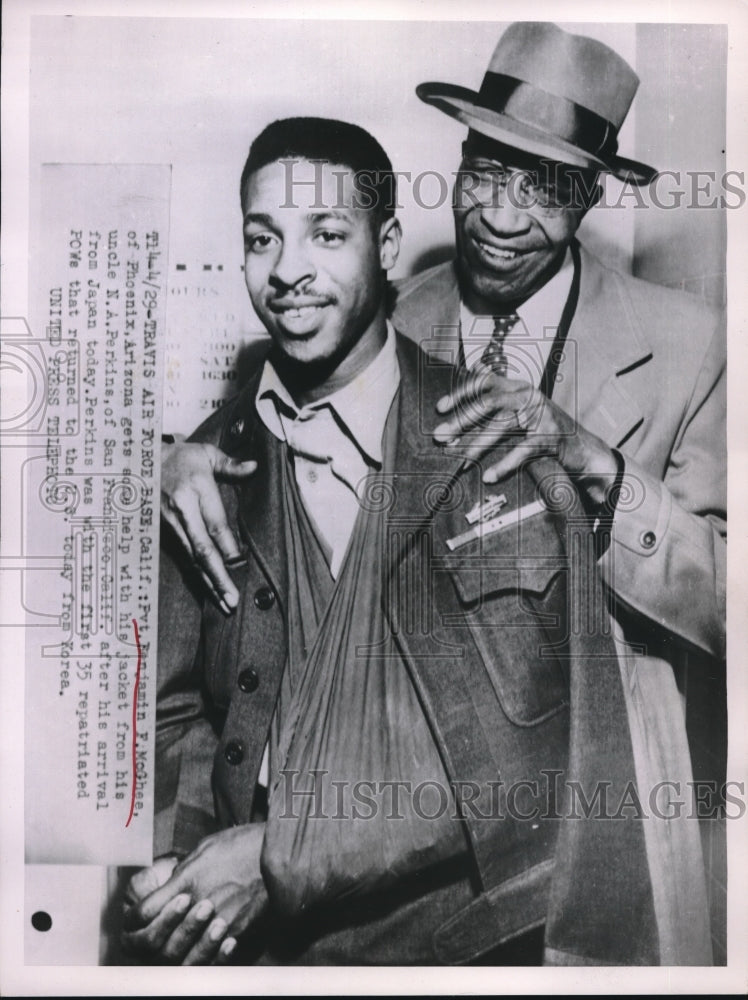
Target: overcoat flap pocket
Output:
{"points": [[521, 557], [513, 591]]}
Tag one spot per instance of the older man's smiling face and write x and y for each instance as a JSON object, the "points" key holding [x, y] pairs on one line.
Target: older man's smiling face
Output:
{"points": [[507, 250]]}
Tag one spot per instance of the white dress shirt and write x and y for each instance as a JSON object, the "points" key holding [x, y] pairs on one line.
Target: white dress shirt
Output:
{"points": [[528, 344]]}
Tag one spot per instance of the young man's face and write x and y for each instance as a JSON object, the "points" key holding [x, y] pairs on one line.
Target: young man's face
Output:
{"points": [[506, 249], [314, 261]]}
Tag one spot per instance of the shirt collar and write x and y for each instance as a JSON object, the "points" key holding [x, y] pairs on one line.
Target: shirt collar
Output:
{"points": [[361, 406]]}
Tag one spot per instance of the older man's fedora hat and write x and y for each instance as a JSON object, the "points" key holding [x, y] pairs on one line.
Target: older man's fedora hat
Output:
{"points": [[553, 94]]}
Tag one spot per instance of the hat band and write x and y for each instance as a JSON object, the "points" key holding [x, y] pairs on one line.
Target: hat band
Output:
{"points": [[557, 116]]}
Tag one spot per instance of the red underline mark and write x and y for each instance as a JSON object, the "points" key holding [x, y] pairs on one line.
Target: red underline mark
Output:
{"points": [[135, 719]]}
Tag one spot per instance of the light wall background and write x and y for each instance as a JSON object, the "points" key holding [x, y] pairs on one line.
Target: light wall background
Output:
{"points": [[680, 125]]}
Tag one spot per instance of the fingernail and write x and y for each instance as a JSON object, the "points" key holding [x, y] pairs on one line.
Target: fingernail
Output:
{"points": [[232, 599], [441, 406], [217, 929], [204, 910], [224, 607], [182, 903], [228, 946]]}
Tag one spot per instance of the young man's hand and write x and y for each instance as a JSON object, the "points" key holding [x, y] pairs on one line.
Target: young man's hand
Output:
{"points": [[191, 505], [194, 915]]}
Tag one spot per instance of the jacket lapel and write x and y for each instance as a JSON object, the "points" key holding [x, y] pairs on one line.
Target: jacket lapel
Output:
{"points": [[434, 490], [258, 499], [424, 478], [430, 496], [604, 341]]}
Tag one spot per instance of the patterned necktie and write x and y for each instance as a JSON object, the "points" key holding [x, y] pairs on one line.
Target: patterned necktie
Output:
{"points": [[493, 356]]}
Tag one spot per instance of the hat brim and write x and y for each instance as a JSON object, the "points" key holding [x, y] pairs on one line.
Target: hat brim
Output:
{"points": [[462, 104]]}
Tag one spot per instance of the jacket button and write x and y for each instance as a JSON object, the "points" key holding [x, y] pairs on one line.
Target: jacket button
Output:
{"points": [[264, 598], [248, 680], [234, 752], [648, 539]]}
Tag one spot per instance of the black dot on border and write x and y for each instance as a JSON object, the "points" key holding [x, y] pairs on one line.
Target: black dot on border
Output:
{"points": [[41, 920]]}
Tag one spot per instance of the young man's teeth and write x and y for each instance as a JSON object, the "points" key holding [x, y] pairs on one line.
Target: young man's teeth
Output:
{"points": [[495, 252], [300, 311]]}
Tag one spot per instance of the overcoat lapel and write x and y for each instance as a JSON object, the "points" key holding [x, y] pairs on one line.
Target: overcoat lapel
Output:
{"points": [[603, 342]]}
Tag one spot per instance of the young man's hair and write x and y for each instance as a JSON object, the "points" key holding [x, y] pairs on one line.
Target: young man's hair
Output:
{"points": [[335, 142]]}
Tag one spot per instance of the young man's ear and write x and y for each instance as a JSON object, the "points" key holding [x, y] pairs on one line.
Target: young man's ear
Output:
{"points": [[390, 233]]}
